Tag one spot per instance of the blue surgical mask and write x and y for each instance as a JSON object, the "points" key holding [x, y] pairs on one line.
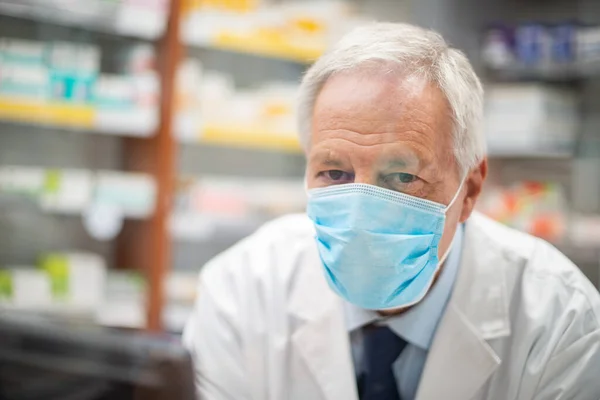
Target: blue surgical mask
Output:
{"points": [[379, 248]]}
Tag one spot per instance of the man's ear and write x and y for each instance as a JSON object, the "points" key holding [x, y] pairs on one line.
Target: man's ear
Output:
{"points": [[474, 184]]}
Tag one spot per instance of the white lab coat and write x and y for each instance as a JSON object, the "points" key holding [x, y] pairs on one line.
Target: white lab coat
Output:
{"points": [[522, 323]]}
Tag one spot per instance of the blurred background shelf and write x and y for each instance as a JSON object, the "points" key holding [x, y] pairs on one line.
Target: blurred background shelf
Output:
{"points": [[530, 153], [261, 46], [297, 31], [76, 191], [120, 17], [196, 227], [39, 112], [245, 138], [211, 86], [556, 74], [90, 208], [81, 117]]}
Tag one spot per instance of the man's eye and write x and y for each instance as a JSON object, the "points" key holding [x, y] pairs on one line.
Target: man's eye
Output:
{"points": [[401, 177], [406, 178], [337, 175]]}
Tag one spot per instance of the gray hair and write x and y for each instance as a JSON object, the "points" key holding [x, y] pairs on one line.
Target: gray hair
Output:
{"points": [[409, 50]]}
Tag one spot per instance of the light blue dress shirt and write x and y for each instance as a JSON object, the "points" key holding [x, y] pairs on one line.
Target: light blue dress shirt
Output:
{"points": [[417, 326]]}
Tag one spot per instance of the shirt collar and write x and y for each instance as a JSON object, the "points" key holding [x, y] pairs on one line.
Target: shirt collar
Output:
{"points": [[417, 325]]}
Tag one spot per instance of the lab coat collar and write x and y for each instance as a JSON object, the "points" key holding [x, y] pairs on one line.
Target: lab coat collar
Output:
{"points": [[321, 337], [460, 360]]}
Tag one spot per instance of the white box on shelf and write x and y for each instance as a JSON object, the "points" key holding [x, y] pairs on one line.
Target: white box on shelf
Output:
{"points": [[31, 52], [584, 230], [191, 226], [532, 118], [24, 81], [78, 279], [132, 194], [146, 19], [31, 289], [66, 191], [125, 301], [181, 286], [127, 104], [135, 121], [22, 180]]}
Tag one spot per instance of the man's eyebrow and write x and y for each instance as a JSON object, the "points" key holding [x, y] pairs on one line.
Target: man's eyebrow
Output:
{"points": [[326, 159], [396, 163], [332, 162], [405, 159]]}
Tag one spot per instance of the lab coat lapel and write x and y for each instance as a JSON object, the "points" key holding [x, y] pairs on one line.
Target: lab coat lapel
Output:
{"points": [[460, 360], [322, 338]]}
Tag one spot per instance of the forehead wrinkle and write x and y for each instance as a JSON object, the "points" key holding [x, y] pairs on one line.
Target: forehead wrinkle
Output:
{"points": [[374, 139], [369, 114], [366, 123], [393, 150]]}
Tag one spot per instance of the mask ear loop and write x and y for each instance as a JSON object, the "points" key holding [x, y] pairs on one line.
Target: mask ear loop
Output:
{"points": [[447, 252], [462, 183]]}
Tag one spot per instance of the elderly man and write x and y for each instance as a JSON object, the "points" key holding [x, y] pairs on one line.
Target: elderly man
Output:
{"points": [[391, 287]]}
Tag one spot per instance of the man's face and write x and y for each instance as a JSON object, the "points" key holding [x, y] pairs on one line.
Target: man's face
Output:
{"points": [[394, 132]]}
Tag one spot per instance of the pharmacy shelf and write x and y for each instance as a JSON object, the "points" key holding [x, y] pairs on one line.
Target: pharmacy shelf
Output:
{"points": [[144, 244], [553, 74], [245, 138], [197, 227], [135, 123], [99, 16], [69, 316], [77, 192], [263, 46], [530, 153], [54, 114]]}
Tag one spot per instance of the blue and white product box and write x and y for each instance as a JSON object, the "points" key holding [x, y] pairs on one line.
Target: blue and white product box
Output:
{"points": [[87, 71], [114, 91], [62, 70], [563, 43], [24, 73], [22, 51], [73, 70], [532, 44]]}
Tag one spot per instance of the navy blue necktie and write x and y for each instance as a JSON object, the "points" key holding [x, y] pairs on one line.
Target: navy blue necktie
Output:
{"points": [[382, 347]]}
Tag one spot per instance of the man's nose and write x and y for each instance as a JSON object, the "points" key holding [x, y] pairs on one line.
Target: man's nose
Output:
{"points": [[365, 177]]}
